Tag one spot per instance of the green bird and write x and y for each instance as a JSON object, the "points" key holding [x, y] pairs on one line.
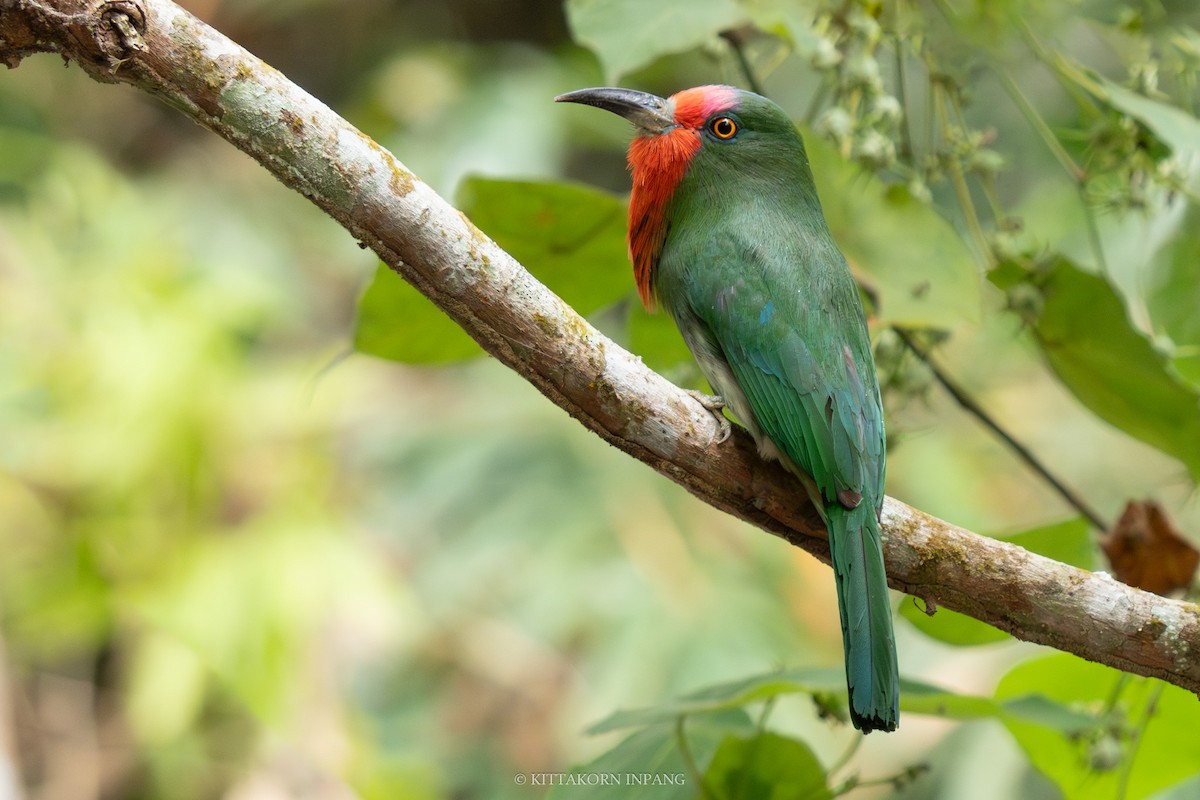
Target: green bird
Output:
{"points": [[726, 233]]}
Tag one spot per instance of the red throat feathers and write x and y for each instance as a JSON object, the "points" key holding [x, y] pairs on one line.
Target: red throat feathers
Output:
{"points": [[658, 163]]}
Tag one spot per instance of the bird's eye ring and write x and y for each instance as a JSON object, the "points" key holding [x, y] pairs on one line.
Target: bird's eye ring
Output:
{"points": [[723, 128]]}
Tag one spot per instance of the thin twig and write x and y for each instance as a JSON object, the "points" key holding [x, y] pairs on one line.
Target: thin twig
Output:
{"points": [[969, 404], [1070, 78], [737, 41], [1068, 75], [846, 755], [1039, 126], [1138, 736], [1077, 174], [906, 140], [962, 192], [689, 760]]}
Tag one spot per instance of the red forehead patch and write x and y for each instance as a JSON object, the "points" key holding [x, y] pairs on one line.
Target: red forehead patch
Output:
{"points": [[693, 106]]}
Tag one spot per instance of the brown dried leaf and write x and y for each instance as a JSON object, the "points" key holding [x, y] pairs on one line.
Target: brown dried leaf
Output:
{"points": [[1146, 550]]}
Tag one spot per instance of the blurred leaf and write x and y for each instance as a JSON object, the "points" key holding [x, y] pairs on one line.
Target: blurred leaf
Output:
{"points": [[766, 767], [248, 631], [166, 689], [25, 154], [951, 627], [628, 34], [1173, 291], [58, 608], [1187, 790], [791, 21], [1188, 366], [397, 322], [915, 697], [654, 752], [1069, 542], [1112, 368], [396, 778], [1174, 126], [925, 275], [571, 237], [923, 698], [729, 695], [1041, 710], [747, 761], [1089, 763], [655, 338], [1151, 251], [1007, 274]]}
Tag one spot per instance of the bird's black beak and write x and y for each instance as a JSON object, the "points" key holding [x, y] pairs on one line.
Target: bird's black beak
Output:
{"points": [[650, 113]]}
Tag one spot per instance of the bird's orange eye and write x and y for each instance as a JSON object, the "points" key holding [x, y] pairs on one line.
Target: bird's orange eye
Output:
{"points": [[723, 128]]}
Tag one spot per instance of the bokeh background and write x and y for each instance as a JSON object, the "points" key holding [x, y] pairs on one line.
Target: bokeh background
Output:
{"points": [[240, 560]]}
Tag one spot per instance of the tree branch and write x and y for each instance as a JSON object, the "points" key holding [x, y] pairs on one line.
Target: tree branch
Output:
{"points": [[159, 48]]}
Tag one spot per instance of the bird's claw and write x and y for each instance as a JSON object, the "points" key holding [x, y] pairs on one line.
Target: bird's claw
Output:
{"points": [[714, 404]]}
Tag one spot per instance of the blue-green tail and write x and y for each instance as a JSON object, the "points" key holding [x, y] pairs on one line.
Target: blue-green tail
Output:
{"points": [[872, 675]]}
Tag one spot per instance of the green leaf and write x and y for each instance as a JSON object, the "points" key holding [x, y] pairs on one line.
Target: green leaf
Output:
{"points": [[1173, 286], [793, 22], [166, 685], [1188, 366], [1088, 763], [571, 237], [766, 767], [934, 701], [733, 694], [648, 765], [25, 154], [1111, 367], [1174, 126], [655, 338], [397, 322], [925, 274], [1069, 542], [1187, 790], [915, 697], [1041, 710], [951, 627], [248, 631], [748, 760], [1154, 253], [628, 34], [1007, 274], [1172, 279]]}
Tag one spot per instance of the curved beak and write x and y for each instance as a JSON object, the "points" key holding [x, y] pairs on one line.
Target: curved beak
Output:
{"points": [[650, 113]]}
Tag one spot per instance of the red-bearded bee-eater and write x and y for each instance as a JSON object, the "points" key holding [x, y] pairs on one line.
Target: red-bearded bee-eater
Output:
{"points": [[726, 233]]}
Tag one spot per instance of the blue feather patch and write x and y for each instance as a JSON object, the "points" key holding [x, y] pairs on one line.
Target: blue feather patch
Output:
{"points": [[767, 312]]}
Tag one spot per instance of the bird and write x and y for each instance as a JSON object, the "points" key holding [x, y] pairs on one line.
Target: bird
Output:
{"points": [[727, 236]]}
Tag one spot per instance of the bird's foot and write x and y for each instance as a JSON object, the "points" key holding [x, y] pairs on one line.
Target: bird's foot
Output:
{"points": [[714, 404]]}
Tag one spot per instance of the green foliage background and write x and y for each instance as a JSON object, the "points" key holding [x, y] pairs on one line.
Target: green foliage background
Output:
{"points": [[243, 559]]}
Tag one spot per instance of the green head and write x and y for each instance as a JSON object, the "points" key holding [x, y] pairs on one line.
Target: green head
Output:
{"points": [[727, 143]]}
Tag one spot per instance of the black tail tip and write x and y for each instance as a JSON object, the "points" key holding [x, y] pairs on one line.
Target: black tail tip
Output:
{"points": [[887, 722]]}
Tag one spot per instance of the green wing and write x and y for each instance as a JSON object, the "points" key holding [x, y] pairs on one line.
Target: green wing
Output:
{"points": [[783, 337], [792, 332]]}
